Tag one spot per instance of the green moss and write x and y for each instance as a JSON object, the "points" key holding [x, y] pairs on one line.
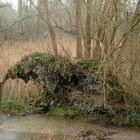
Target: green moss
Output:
{"points": [[37, 62], [88, 65], [65, 67], [58, 111], [12, 72]]}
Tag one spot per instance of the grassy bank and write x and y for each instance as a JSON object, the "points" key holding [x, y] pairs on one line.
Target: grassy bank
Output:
{"points": [[73, 89], [13, 107]]}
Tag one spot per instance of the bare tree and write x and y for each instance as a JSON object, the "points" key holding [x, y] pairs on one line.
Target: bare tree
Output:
{"points": [[50, 27], [79, 27], [88, 30]]}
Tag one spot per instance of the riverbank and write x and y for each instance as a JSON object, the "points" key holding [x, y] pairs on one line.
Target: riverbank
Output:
{"points": [[73, 89]]}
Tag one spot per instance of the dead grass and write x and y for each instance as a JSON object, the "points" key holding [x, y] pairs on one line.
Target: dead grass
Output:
{"points": [[11, 52]]}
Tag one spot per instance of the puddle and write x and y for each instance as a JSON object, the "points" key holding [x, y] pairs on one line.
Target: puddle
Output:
{"points": [[42, 127]]}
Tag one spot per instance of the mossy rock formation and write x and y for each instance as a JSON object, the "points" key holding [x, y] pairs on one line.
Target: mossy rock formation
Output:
{"points": [[77, 83]]}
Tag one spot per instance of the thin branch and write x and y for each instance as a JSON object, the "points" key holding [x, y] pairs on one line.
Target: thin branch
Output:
{"points": [[16, 22], [67, 11], [4, 5]]}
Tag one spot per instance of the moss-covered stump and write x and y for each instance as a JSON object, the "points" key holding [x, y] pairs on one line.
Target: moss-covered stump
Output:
{"points": [[75, 83], [53, 73]]}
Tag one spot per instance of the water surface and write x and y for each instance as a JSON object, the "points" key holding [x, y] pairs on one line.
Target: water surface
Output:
{"points": [[42, 127]]}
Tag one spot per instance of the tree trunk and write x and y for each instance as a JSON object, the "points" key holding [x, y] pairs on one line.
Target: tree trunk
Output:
{"points": [[79, 28], [1, 88], [50, 28], [20, 15], [88, 31], [100, 37], [1, 92]]}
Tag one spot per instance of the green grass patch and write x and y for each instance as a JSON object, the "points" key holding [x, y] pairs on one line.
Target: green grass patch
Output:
{"points": [[132, 119], [69, 111], [17, 108]]}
